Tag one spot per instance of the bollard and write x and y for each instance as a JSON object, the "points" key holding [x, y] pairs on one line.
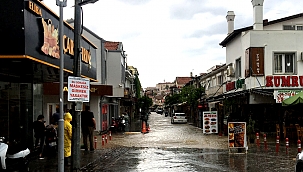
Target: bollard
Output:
{"points": [[299, 146], [287, 145], [277, 144], [103, 141], [265, 142], [105, 138], [95, 141], [258, 139], [110, 135]]}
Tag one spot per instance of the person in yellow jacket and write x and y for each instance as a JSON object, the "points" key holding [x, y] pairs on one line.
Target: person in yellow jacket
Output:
{"points": [[67, 137]]}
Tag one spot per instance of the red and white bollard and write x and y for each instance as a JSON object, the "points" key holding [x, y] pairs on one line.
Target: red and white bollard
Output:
{"points": [[95, 141], [287, 145], [258, 139], [110, 135], [265, 141], [299, 146], [103, 140], [277, 144]]}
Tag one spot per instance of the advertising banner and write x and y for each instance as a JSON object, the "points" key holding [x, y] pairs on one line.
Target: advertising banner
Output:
{"points": [[78, 89], [237, 134], [281, 95], [210, 122]]}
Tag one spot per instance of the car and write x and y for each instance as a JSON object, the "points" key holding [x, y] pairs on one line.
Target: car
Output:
{"points": [[178, 118], [159, 111]]}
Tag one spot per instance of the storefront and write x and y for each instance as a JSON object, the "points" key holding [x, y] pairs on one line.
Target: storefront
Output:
{"points": [[29, 57]]}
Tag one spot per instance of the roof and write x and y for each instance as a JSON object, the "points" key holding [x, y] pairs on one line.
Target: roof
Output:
{"points": [[111, 45], [182, 80], [265, 23]]}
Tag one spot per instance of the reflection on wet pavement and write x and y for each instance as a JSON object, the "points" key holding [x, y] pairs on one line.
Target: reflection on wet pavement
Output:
{"points": [[183, 147]]}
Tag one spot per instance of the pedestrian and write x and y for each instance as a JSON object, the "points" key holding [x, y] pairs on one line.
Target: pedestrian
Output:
{"points": [[67, 137], [39, 129], [55, 117], [88, 125]]}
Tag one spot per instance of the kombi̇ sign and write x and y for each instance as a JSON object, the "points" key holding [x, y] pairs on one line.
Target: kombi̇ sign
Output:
{"points": [[78, 89]]}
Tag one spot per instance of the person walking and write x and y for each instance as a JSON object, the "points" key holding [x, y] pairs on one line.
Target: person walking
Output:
{"points": [[39, 129], [88, 125], [67, 137]]}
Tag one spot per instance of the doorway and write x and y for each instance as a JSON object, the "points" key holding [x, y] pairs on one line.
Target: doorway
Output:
{"points": [[51, 109]]}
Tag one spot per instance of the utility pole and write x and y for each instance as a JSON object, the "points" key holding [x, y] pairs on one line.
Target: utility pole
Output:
{"points": [[75, 163]]}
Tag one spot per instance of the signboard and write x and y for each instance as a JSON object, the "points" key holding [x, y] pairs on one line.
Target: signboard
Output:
{"points": [[210, 122], [236, 134], [281, 95], [78, 89], [254, 61]]}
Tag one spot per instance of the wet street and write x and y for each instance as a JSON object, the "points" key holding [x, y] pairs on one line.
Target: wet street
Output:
{"points": [[183, 147]]}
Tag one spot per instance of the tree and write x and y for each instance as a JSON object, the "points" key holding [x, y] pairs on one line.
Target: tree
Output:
{"points": [[137, 86], [145, 102], [172, 99]]}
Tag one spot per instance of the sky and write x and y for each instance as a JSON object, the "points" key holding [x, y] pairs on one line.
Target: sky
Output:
{"points": [[165, 39]]}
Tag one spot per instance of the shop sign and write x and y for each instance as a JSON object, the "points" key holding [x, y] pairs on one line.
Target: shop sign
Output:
{"points": [[210, 122], [34, 8], [236, 134], [284, 81], [78, 89], [50, 46], [230, 86], [281, 95], [254, 61]]}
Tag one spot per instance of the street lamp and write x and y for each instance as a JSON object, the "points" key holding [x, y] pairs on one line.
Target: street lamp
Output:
{"points": [[61, 4]]}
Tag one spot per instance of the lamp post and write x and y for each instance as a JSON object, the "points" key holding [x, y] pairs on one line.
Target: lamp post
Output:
{"points": [[61, 4], [75, 164]]}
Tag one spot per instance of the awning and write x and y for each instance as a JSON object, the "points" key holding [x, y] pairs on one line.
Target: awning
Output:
{"points": [[263, 92]]}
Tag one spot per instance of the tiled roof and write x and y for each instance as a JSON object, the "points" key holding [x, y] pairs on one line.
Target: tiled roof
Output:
{"points": [[182, 80], [111, 45]]}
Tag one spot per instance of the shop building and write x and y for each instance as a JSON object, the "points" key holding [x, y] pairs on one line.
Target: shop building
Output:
{"points": [[264, 63], [29, 60]]}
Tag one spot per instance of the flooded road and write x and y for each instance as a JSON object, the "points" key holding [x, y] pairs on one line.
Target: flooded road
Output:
{"points": [[183, 147]]}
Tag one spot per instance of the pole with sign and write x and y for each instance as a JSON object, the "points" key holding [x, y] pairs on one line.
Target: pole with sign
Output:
{"points": [[78, 92]]}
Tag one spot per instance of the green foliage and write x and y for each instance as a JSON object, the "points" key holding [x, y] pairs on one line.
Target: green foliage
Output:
{"points": [[191, 95], [188, 94], [145, 102], [137, 86], [172, 99]]}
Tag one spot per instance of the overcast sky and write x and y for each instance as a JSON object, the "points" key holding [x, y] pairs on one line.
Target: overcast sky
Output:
{"points": [[168, 38]]}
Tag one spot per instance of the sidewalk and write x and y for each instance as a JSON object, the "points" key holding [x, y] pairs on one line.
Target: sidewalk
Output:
{"points": [[50, 163]]}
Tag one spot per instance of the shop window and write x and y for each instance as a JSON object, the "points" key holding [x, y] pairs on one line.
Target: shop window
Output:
{"points": [[284, 63]]}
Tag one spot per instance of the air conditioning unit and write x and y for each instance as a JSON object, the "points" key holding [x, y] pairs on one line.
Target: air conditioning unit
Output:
{"points": [[230, 71]]}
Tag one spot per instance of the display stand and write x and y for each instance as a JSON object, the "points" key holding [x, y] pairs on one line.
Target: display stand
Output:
{"points": [[237, 143]]}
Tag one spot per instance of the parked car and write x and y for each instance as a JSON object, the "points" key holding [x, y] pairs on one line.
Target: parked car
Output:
{"points": [[178, 118]]}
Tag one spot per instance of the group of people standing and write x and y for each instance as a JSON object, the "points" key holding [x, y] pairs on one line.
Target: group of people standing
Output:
{"points": [[88, 125]]}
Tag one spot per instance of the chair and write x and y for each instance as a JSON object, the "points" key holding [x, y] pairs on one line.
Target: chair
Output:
{"points": [[278, 129]]}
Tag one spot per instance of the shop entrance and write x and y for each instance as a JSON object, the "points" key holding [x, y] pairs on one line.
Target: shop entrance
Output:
{"points": [[51, 109]]}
